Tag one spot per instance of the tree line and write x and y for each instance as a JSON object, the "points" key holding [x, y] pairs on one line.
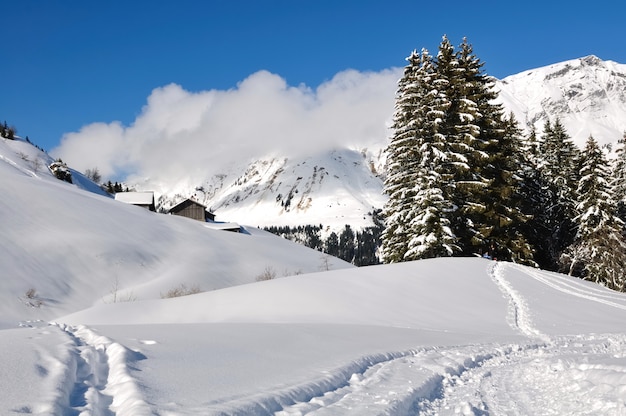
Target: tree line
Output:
{"points": [[462, 179], [359, 247]]}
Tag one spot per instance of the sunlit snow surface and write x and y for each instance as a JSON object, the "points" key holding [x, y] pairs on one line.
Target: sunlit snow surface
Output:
{"points": [[441, 336]]}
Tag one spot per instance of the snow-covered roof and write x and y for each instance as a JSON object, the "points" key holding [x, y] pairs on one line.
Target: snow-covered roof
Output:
{"points": [[136, 198], [222, 225]]}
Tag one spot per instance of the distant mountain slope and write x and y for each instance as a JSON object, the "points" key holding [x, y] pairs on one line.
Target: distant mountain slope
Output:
{"points": [[333, 188]]}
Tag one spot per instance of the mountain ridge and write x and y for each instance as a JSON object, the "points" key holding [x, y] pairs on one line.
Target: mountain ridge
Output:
{"points": [[587, 94]]}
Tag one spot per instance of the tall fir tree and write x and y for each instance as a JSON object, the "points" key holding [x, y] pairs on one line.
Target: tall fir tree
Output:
{"points": [[557, 166], [599, 251], [618, 183], [450, 144], [430, 233], [462, 167], [535, 201], [503, 219], [402, 160], [496, 164]]}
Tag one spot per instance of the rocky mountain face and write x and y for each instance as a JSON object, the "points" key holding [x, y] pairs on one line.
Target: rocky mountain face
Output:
{"points": [[344, 186], [587, 94], [332, 189]]}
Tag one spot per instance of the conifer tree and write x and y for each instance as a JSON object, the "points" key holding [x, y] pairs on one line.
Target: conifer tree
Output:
{"points": [[450, 144], [346, 244], [502, 221], [534, 201], [618, 183], [401, 161], [430, 229], [461, 171], [493, 203], [557, 166], [599, 249]]}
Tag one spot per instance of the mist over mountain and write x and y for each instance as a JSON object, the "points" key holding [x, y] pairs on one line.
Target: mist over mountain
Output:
{"points": [[343, 185], [269, 154]]}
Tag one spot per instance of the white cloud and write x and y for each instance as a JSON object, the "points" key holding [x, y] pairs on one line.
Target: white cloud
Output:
{"points": [[185, 135]]}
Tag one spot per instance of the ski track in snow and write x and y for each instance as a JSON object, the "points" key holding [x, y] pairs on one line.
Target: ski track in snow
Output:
{"points": [[519, 316], [477, 379], [95, 378], [524, 380], [589, 292], [404, 383]]}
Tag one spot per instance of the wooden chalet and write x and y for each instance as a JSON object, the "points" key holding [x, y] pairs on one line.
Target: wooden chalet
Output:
{"points": [[195, 210], [192, 209], [141, 199]]}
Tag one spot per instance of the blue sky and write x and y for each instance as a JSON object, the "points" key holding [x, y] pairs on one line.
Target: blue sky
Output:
{"points": [[67, 64]]}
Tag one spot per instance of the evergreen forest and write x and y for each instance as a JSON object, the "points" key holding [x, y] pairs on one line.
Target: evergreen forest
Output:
{"points": [[462, 179]]}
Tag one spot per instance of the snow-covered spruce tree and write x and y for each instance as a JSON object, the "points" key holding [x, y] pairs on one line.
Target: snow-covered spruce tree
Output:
{"points": [[618, 183], [535, 202], [417, 225], [464, 159], [599, 250], [557, 166], [430, 229], [502, 223], [440, 165], [493, 205], [402, 160]]}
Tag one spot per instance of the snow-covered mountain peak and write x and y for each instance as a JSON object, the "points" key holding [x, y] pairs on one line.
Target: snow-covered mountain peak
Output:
{"points": [[332, 188], [587, 94]]}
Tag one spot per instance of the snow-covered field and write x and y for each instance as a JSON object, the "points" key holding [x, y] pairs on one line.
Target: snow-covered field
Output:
{"points": [[84, 330]]}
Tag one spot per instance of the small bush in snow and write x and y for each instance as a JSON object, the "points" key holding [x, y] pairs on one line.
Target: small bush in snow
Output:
{"points": [[267, 274], [31, 299], [181, 290], [93, 175]]}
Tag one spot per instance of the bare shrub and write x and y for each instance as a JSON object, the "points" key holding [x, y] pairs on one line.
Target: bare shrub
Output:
{"points": [[288, 272], [36, 165], [116, 293], [325, 262], [267, 274], [93, 175], [31, 298], [181, 290]]}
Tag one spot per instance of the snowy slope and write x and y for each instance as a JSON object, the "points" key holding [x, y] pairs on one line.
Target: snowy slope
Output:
{"points": [[441, 336], [73, 247]]}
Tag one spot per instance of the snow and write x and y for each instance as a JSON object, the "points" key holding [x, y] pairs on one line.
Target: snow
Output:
{"points": [[587, 94], [460, 336], [135, 198]]}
